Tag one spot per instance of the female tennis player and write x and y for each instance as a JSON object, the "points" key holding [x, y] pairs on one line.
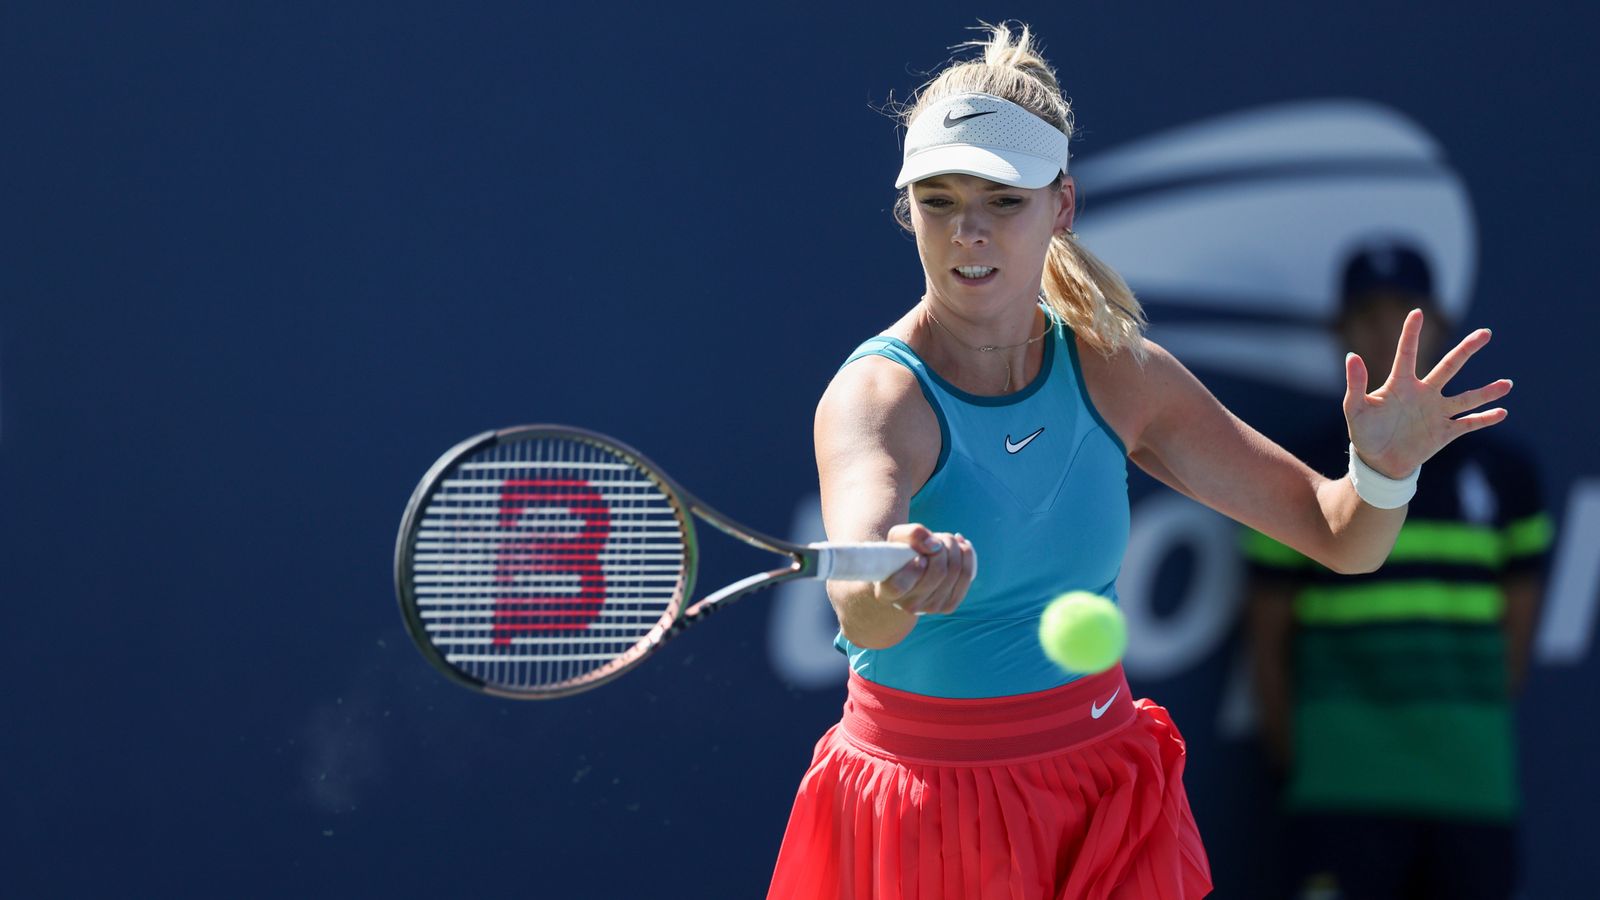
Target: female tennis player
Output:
{"points": [[1000, 412]]}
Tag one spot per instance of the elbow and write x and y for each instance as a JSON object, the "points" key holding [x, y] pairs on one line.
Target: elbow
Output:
{"points": [[1348, 564], [1349, 554], [1356, 568]]}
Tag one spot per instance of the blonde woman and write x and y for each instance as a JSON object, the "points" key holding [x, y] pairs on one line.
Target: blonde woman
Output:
{"points": [[999, 413]]}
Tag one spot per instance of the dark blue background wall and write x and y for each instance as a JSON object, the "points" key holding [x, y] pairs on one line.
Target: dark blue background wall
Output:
{"points": [[260, 264]]}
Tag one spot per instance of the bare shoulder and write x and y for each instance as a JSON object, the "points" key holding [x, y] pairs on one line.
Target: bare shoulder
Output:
{"points": [[874, 414], [1129, 391]]}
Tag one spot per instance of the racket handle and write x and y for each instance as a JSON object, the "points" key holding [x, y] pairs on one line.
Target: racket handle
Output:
{"points": [[860, 562]]}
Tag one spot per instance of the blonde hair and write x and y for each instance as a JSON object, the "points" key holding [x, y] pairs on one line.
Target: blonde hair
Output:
{"points": [[1078, 287]]}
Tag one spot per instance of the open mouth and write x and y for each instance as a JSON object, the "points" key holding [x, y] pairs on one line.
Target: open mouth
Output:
{"points": [[975, 274]]}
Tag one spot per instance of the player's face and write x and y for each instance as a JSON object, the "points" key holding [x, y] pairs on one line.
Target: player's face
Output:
{"points": [[982, 240]]}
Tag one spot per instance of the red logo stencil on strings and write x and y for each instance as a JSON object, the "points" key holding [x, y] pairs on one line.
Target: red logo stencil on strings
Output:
{"points": [[546, 548]]}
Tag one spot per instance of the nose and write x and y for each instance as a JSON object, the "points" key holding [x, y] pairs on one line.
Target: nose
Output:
{"points": [[970, 230]]}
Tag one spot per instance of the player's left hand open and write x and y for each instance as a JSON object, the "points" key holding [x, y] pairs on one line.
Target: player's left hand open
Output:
{"points": [[1403, 423]]}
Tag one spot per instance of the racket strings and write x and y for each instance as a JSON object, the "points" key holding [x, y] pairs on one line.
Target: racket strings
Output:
{"points": [[540, 562]]}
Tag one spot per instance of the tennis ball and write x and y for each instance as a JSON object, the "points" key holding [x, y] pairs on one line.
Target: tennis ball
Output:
{"points": [[1083, 632]]}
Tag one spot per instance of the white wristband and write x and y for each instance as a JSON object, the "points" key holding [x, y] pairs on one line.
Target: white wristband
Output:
{"points": [[1378, 489]]}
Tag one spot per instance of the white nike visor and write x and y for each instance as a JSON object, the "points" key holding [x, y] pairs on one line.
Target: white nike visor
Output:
{"points": [[983, 135]]}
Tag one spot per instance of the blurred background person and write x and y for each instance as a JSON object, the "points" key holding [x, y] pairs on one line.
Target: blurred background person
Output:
{"points": [[1386, 698]]}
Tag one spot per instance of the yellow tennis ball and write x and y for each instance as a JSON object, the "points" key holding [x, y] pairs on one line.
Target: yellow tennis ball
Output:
{"points": [[1083, 632]]}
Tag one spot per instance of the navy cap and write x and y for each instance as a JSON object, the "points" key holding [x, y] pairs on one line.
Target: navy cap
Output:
{"points": [[1392, 266]]}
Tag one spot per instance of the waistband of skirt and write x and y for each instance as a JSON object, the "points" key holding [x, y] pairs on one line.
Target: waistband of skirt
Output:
{"points": [[985, 731]]}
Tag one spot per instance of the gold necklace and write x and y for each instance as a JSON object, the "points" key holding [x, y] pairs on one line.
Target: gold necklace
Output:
{"points": [[990, 348]]}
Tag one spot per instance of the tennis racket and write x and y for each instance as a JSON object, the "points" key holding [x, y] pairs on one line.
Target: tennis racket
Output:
{"points": [[540, 561]]}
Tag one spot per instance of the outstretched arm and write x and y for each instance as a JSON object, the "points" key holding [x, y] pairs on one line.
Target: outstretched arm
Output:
{"points": [[877, 442], [1175, 429]]}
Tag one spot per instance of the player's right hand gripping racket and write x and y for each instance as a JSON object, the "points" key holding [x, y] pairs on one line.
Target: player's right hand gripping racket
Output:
{"points": [[539, 561]]}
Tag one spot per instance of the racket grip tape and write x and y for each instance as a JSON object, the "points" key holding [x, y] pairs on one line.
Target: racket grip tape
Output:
{"points": [[860, 562]]}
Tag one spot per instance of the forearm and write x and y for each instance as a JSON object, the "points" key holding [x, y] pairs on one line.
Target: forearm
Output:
{"points": [[1192, 443], [863, 510], [1359, 535], [877, 441]]}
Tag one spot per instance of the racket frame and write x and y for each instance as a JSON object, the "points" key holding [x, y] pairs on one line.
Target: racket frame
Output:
{"points": [[803, 560]]}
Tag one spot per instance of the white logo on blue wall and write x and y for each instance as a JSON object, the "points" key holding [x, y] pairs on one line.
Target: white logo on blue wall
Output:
{"points": [[1233, 231]]}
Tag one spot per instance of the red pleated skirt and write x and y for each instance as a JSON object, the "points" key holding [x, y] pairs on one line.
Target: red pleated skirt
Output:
{"points": [[1074, 793]]}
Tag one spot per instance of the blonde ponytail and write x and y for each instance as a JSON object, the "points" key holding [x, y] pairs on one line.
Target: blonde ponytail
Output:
{"points": [[1092, 298], [1086, 293]]}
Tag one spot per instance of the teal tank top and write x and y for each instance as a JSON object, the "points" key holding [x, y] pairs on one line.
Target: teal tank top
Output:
{"points": [[1038, 483]]}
